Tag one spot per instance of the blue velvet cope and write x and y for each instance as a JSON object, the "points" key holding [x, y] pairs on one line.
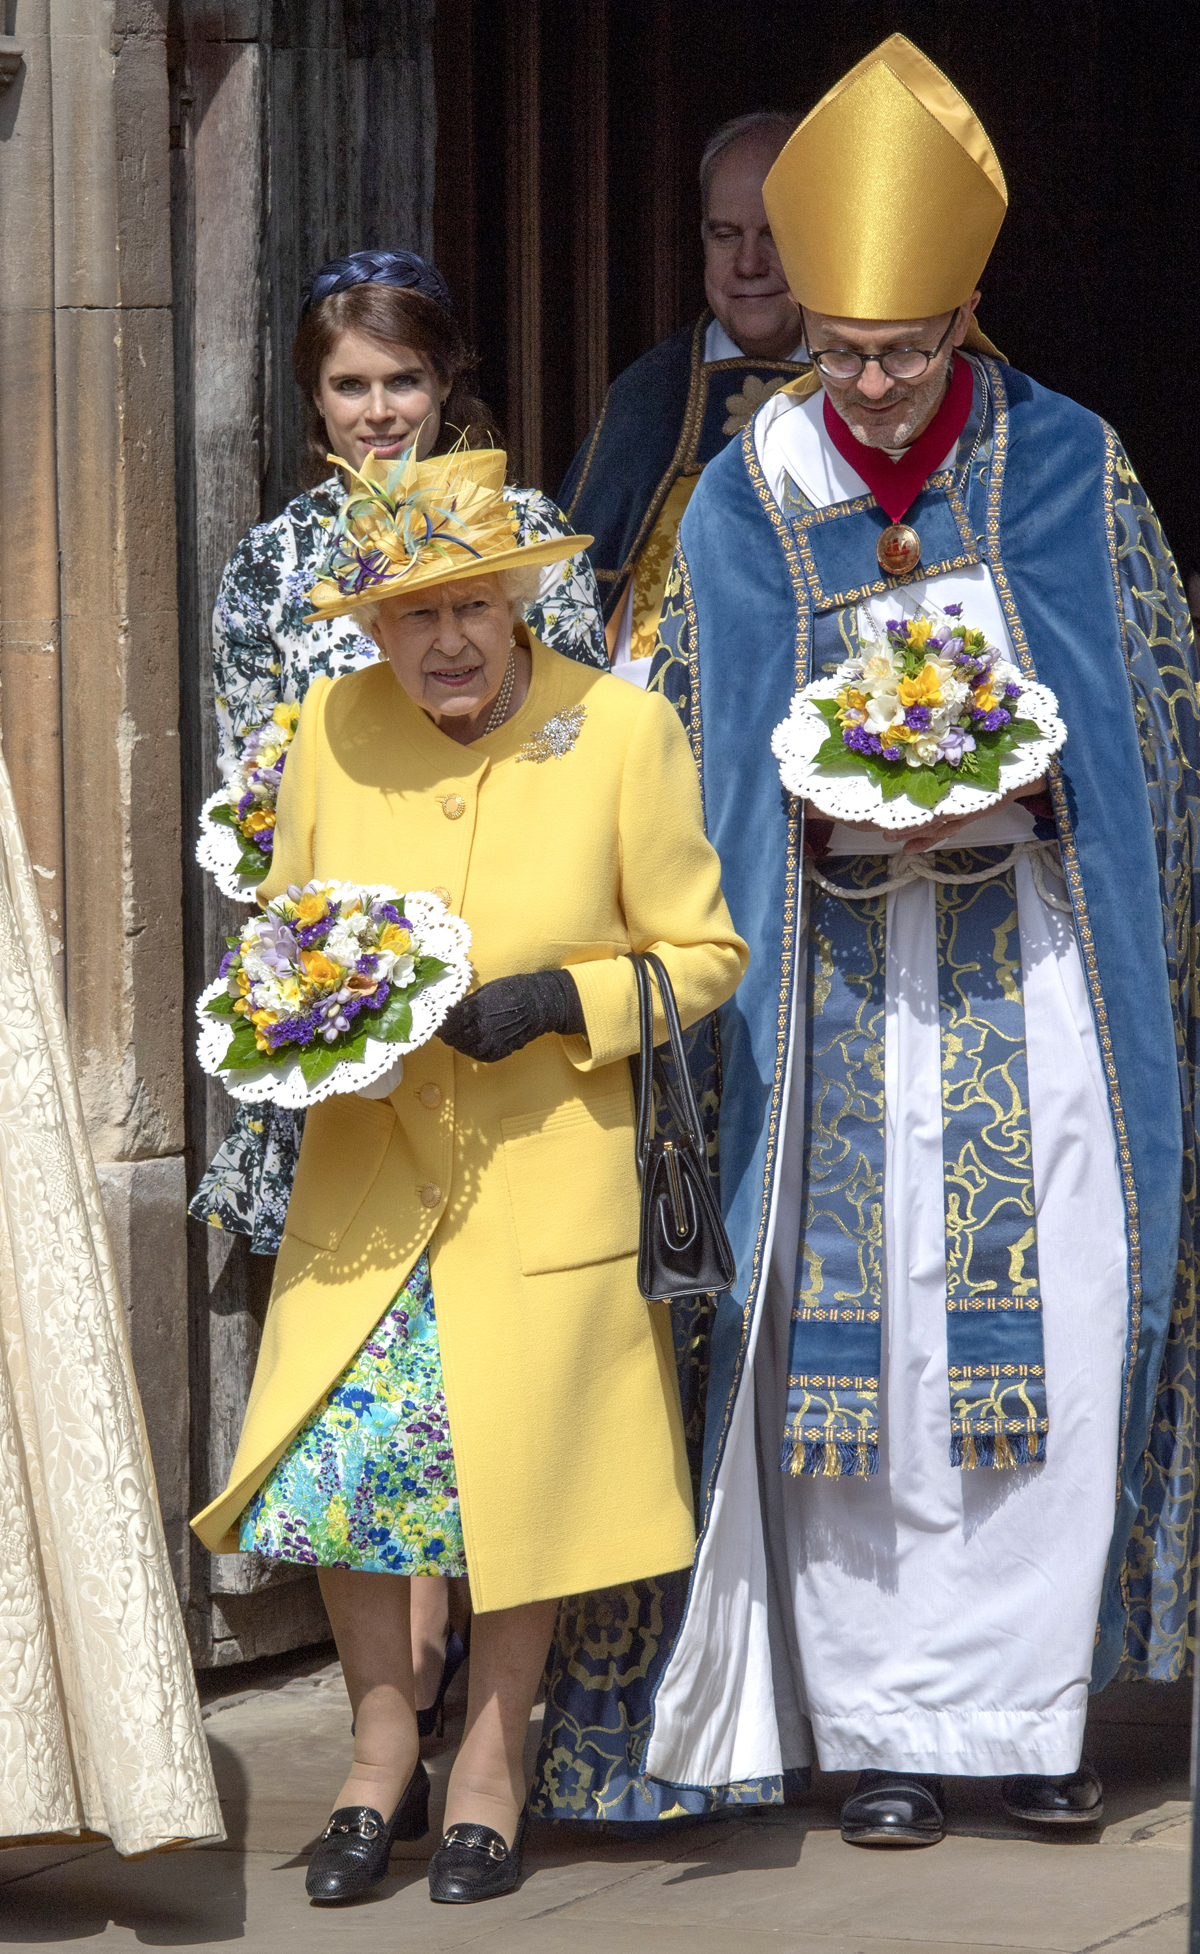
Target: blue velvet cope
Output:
{"points": [[1041, 517], [1095, 609]]}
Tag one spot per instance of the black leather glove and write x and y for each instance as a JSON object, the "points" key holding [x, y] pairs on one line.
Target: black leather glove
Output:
{"points": [[508, 1013]]}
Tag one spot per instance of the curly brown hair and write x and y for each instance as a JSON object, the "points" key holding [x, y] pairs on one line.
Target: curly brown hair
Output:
{"points": [[393, 315]]}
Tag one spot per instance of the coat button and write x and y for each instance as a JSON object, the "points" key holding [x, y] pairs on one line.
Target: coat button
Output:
{"points": [[431, 1194], [443, 895], [430, 1096], [454, 807]]}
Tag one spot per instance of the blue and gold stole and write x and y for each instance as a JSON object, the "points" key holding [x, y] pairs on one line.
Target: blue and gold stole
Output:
{"points": [[997, 1378]]}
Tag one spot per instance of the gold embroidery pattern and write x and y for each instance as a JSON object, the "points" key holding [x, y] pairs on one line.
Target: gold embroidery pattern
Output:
{"points": [[807, 1313], [744, 406], [805, 519], [556, 737], [994, 1302], [653, 569], [834, 1383], [1158, 1578], [788, 947], [684, 458]]}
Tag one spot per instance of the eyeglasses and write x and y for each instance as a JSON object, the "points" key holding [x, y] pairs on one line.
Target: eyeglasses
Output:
{"points": [[899, 363]]}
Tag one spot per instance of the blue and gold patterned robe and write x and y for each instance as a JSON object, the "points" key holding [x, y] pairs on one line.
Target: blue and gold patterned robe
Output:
{"points": [[1076, 552]]}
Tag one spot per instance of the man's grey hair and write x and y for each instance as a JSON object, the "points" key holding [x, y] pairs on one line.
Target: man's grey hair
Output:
{"points": [[759, 122]]}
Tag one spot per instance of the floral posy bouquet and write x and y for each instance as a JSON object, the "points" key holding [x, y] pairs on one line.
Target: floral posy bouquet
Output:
{"points": [[928, 713], [327, 989], [237, 823]]}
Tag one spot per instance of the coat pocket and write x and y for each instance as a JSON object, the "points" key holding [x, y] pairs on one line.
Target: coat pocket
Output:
{"points": [[345, 1140], [572, 1183]]}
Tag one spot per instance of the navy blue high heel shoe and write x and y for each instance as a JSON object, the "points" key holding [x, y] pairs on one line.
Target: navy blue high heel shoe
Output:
{"points": [[434, 1718]]}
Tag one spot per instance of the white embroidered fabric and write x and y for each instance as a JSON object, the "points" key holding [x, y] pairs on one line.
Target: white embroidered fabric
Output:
{"points": [[99, 1721], [439, 933]]}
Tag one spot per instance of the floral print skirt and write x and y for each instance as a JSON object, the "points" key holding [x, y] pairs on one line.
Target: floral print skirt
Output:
{"points": [[368, 1482]]}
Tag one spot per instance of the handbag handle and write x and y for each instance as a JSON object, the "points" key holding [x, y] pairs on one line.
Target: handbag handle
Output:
{"points": [[685, 1108]]}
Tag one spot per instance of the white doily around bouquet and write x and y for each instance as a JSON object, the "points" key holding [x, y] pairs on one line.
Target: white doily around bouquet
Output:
{"points": [[220, 849], [438, 932], [857, 798]]}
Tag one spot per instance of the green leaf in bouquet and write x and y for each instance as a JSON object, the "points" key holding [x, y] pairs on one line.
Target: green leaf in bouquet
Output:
{"points": [[220, 1006], [1022, 730], [834, 753], [895, 771], [252, 864], [243, 1054], [317, 1061], [426, 971], [986, 771], [395, 1020], [828, 709], [225, 815], [923, 786]]}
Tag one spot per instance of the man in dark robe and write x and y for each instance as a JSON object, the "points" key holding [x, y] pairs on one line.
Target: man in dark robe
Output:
{"points": [[675, 408]]}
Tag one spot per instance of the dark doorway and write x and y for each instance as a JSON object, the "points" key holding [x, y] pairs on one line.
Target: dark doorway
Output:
{"points": [[566, 217]]}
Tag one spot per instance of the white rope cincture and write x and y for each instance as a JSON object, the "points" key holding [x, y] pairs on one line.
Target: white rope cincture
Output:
{"points": [[1042, 855]]}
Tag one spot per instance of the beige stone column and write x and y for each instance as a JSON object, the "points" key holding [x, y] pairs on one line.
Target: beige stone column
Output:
{"points": [[89, 678], [30, 700]]}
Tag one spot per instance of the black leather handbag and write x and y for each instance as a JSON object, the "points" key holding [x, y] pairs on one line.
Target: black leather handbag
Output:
{"points": [[683, 1249]]}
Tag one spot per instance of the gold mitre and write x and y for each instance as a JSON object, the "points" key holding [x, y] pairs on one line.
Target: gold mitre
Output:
{"points": [[407, 524], [887, 200]]}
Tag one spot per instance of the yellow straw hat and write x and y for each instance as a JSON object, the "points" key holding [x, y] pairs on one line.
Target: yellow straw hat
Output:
{"points": [[887, 200], [410, 523]]}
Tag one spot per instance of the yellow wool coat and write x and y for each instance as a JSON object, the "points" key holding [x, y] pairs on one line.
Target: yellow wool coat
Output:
{"points": [[518, 1177]]}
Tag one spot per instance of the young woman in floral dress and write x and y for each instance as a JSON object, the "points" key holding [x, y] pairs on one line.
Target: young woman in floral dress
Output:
{"points": [[380, 360]]}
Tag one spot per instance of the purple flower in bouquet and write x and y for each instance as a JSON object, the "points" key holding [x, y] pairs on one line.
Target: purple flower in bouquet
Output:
{"points": [[277, 946], [992, 721], [955, 741]]}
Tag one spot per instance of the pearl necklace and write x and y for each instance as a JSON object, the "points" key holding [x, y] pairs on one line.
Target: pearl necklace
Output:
{"points": [[499, 712]]}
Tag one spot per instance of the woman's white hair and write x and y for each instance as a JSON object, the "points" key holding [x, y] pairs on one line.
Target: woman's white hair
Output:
{"points": [[519, 587]]}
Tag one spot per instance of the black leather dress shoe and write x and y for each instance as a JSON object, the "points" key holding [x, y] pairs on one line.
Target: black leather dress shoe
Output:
{"points": [[473, 1863], [893, 1808], [353, 1852], [1074, 1800]]}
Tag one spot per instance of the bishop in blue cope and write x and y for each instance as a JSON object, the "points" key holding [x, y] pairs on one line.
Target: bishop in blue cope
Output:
{"points": [[949, 1431]]}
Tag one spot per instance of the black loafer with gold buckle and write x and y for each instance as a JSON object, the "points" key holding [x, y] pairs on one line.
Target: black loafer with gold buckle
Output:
{"points": [[353, 1852], [473, 1863]]}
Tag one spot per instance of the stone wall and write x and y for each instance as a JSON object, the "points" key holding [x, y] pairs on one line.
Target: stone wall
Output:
{"points": [[301, 130], [168, 171], [89, 692]]}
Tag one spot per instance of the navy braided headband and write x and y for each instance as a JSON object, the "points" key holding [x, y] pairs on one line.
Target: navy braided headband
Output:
{"points": [[402, 268]]}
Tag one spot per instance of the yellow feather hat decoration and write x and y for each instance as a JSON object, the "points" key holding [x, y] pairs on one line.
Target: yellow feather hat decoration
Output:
{"points": [[887, 200], [408, 523]]}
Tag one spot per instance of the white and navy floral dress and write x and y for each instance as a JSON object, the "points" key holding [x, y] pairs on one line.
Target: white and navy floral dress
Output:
{"points": [[264, 652]]}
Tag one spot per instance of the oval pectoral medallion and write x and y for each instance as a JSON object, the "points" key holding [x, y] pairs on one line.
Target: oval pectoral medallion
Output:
{"points": [[898, 549]]}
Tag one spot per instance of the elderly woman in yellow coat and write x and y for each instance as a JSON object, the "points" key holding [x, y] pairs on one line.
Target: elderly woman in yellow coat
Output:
{"points": [[528, 1433]]}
